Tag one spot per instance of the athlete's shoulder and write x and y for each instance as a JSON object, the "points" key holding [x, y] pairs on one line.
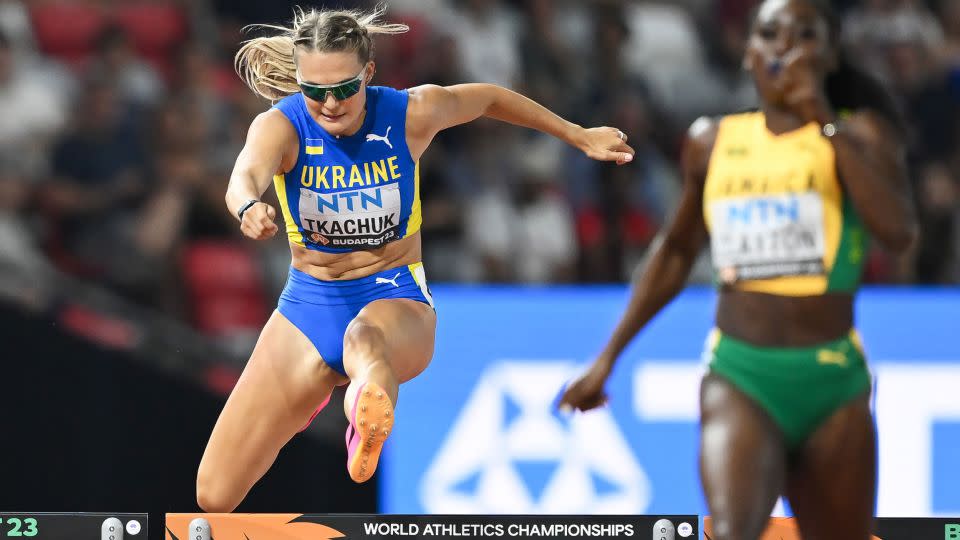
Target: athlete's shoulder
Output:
{"points": [[699, 142], [425, 91], [272, 124], [703, 131], [424, 100]]}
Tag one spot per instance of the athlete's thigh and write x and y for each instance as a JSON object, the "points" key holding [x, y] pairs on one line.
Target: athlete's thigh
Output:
{"points": [[283, 382], [832, 481], [742, 460], [409, 329]]}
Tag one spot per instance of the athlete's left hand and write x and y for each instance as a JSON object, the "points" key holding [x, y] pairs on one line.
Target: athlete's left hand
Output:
{"points": [[586, 391], [606, 144]]}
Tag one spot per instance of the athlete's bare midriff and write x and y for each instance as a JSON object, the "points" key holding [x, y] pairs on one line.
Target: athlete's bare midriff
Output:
{"points": [[768, 320], [357, 264]]}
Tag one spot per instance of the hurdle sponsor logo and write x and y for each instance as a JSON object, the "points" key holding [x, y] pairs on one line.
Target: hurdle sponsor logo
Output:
{"points": [[509, 452]]}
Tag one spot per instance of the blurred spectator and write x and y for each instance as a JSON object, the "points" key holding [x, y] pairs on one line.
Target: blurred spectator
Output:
{"points": [[875, 24], [15, 24], [939, 209], [434, 11], [134, 180], [137, 82], [663, 45], [487, 33], [617, 223], [720, 85], [18, 245], [32, 110], [208, 92], [99, 172], [443, 253], [438, 63], [607, 75], [554, 66], [524, 232], [949, 53]]}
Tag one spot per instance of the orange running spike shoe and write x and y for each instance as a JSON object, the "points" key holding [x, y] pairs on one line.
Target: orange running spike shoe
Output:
{"points": [[370, 423]]}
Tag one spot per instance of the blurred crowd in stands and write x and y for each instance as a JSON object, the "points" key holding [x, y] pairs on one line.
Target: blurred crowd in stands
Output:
{"points": [[120, 121]]}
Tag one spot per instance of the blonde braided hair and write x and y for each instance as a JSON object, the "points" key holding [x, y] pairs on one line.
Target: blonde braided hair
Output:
{"points": [[268, 65]]}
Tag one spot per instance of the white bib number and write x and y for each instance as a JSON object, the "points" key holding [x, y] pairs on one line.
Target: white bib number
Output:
{"points": [[364, 218], [767, 237]]}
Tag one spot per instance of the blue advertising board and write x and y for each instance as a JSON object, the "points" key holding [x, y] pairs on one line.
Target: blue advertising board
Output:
{"points": [[476, 433]]}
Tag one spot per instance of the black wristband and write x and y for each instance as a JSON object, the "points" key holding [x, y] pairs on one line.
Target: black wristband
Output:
{"points": [[246, 207]]}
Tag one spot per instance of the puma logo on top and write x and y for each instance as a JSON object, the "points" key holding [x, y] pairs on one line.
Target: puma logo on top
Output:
{"points": [[385, 138], [393, 281]]}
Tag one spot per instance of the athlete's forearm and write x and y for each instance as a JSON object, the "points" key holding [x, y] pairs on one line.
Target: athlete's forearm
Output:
{"points": [[242, 188], [878, 191], [461, 103], [267, 140], [517, 109], [660, 282], [433, 108]]}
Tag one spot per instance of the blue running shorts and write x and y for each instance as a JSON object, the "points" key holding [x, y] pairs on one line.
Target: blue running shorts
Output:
{"points": [[323, 309]]}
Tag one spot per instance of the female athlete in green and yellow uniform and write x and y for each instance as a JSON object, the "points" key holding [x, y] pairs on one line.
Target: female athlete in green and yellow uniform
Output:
{"points": [[786, 196]]}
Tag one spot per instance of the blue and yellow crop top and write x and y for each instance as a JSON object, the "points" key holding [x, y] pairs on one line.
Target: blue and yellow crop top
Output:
{"points": [[356, 192]]}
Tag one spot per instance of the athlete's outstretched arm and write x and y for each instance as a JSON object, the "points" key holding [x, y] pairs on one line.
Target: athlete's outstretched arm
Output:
{"points": [[262, 156], [434, 108], [674, 252]]}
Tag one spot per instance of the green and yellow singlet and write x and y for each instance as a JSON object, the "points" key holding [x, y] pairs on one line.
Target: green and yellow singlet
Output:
{"points": [[779, 220]]}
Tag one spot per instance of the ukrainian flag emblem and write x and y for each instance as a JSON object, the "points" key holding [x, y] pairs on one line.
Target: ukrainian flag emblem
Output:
{"points": [[314, 147]]}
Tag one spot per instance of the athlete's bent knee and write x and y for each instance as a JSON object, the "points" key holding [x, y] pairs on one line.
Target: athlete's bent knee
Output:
{"points": [[362, 337], [213, 497]]}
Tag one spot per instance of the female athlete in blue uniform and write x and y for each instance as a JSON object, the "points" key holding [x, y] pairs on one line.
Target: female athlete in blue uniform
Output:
{"points": [[356, 309]]}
